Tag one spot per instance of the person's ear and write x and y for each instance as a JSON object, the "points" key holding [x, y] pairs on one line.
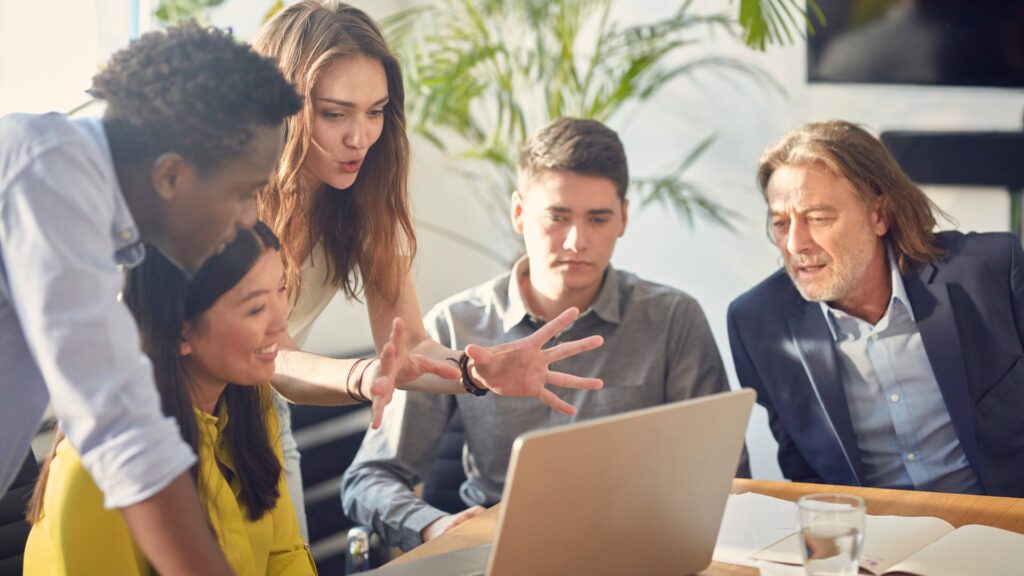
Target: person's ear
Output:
{"points": [[185, 348], [171, 175], [518, 203], [879, 218]]}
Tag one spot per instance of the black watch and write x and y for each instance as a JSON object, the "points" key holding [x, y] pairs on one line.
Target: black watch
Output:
{"points": [[467, 381]]}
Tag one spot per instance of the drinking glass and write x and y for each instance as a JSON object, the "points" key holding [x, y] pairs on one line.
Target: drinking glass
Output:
{"points": [[831, 533]]}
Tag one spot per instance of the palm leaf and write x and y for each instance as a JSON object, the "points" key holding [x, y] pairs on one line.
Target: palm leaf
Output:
{"points": [[768, 22], [482, 74]]}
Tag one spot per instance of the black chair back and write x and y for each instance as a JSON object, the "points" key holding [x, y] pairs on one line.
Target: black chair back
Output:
{"points": [[13, 527]]}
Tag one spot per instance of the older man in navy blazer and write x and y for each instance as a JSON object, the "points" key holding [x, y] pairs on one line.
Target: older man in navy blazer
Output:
{"points": [[886, 354]]}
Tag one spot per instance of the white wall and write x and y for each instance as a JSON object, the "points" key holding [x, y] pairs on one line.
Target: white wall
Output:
{"points": [[48, 53]]}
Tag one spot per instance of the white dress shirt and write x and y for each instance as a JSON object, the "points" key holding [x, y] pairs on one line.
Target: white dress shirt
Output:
{"points": [[64, 230]]}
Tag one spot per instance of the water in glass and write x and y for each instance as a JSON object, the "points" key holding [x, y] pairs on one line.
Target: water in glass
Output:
{"points": [[831, 549]]}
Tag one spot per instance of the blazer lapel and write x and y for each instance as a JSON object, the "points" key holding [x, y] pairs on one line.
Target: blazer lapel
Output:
{"points": [[817, 351], [936, 321]]}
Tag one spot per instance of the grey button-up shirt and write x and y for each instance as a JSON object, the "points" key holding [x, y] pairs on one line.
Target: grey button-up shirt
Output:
{"points": [[658, 348]]}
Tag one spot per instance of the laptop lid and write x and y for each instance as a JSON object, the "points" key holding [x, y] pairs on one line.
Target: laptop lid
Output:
{"points": [[636, 493], [639, 492]]}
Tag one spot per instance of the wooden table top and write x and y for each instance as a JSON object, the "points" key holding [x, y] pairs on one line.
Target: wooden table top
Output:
{"points": [[957, 509]]}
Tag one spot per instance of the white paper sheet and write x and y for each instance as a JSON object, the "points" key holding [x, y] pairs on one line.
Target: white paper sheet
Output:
{"points": [[887, 540], [751, 523], [971, 549]]}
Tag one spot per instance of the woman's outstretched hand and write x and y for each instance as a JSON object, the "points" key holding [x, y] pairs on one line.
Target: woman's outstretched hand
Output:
{"points": [[521, 368], [397, 367]]}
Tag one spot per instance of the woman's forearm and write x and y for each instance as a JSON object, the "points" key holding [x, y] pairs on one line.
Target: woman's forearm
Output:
{"points": [[431, 382], [307, 378]]}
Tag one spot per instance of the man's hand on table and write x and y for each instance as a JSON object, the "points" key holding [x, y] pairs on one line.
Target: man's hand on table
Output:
{"points": [[446, 523]]}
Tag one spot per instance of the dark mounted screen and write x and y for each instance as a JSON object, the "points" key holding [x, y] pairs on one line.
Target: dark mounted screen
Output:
{"points": [[930, 42]]}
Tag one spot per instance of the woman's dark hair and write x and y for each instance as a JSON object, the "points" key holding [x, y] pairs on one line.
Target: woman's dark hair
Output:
{"points": [[162, 300]]}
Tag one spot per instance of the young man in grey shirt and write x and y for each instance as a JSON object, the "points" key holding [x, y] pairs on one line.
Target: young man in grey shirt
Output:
{"points": [[570, 209]]}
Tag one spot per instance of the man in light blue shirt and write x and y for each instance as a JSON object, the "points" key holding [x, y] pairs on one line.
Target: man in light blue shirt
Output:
{"points": [[887, 354], [904, 434], [194, 124]]}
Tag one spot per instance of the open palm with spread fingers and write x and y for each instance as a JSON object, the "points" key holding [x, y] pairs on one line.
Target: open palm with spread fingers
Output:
{"points": [[521, 368], [397, 367]]}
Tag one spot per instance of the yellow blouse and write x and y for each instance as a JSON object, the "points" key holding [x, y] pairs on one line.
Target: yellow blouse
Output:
{"points": [[77, 535]]}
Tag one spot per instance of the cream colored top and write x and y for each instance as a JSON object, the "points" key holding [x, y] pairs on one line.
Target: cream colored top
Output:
{"points": [[317, 292]]}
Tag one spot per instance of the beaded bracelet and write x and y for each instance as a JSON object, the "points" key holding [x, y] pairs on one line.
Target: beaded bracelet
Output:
{"points": [[353, 392]]}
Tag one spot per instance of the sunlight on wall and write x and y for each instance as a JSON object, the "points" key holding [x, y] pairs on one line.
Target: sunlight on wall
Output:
{"points": [[48, 54], [50, 50]]}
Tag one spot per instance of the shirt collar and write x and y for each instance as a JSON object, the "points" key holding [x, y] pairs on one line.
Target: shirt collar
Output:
{"points": [[899, 295], [128, 248], [605, 306]]}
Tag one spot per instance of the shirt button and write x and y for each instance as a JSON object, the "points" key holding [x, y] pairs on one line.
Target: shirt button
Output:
{"points": [[911, 457], [895, 397], [874, 337], [127, 234]]}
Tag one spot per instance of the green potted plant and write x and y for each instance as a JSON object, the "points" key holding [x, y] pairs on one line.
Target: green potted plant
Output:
{"points": [[481, 75]]}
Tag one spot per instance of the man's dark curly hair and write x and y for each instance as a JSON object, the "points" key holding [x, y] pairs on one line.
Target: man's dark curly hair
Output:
{"points": [[190, 90]]}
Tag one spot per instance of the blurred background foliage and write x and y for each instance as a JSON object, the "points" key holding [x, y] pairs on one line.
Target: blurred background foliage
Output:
{"points": [[481, 75]]}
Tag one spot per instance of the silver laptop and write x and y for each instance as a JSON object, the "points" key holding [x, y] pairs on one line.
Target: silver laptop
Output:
{"points": [[635, 493]]}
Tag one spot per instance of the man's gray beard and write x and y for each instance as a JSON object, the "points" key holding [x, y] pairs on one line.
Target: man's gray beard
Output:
{"points": [[803, 293], [838, 285]]}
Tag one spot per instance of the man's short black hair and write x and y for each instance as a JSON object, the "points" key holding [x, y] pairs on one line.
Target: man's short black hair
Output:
{"points": [[190, 90]]}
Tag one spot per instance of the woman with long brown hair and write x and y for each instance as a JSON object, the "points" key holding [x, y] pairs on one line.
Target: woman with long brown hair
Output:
{"points": [[339, 202]]}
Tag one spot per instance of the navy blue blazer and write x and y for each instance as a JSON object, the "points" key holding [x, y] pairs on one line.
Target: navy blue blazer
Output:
{"points": [[969, 308]]}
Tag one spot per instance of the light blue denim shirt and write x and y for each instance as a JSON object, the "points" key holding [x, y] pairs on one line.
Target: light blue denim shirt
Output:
{"points": [[904, 433], [64, 230]]}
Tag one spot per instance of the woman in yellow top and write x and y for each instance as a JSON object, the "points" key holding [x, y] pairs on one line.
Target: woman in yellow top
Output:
{"points": [[212, 342]]}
